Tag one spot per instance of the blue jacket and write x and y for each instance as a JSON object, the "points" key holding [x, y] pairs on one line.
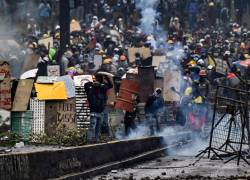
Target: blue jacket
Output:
{"points": [[153, 104], [192, 8]]}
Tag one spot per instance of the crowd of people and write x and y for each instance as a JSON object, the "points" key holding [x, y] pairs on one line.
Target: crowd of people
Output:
{"points": [[206, 29]]}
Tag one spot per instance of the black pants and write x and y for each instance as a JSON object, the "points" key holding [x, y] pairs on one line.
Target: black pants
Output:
{"points": [[129, 122]]}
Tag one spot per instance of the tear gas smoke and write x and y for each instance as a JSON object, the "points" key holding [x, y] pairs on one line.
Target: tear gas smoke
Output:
{"points": [[149, 14], [12, 16], [174, 56], [175, 134], [141, 131]]}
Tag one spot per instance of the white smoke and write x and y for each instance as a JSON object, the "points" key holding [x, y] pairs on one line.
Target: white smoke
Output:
{"points": [[174, 55], [149, 14], [192, 149], [141, 131], [192, 143]]}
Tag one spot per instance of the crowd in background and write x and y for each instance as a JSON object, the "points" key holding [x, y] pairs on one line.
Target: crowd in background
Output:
{"points": [[207, 29]]}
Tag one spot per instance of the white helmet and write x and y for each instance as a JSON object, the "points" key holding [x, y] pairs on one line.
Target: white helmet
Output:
{"points": [[57, 27], [200, 62]]}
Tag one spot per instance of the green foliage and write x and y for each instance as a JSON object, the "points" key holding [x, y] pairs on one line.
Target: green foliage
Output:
{"points": [[63, 137], [8, 139]]}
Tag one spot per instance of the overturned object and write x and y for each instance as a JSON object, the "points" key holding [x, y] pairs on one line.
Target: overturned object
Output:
{"points": [[125, 99]]}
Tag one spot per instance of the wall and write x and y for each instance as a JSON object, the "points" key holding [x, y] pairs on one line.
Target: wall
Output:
{"points": [[52, 164]]}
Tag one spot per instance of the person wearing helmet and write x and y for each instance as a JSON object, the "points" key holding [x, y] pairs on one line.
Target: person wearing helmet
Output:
{"points": [[201, 63], [108, 66], [122, 63], [203, 84], [94, 22], [153, 108], [109, 45]]}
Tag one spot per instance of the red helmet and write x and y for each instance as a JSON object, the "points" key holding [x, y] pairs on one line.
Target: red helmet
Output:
{"points": [[123, 58], [203, 73]]}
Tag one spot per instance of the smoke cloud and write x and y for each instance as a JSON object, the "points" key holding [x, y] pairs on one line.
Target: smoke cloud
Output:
{"points": [[149, 14], [14, 16], [174, 55]]}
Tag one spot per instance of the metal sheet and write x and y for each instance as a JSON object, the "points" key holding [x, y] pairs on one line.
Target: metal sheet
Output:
{"points": [[146, 81], [53, 70], [127, 89]]}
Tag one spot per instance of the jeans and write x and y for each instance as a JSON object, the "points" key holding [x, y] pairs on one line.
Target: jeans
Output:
{"points": [[94, 130], [153, 119], [105, 122]]}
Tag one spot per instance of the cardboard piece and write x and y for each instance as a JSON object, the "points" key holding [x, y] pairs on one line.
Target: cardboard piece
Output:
{"points": [[5, 86], [30, 62], [70, 86], [221, 65], [48, 42], [82, 79], [68, 81], [75, 26], [60, 114], [55, 91], [144, 52], [171, 79], [157, 60], [22, 96], [53, 70]]}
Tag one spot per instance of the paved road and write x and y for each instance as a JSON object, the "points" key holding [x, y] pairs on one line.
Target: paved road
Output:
{"points": [[181, 165]]}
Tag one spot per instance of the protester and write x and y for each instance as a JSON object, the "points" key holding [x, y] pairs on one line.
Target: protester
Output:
{"points": [[129, 118], [205, 32], [96, 95], [153, 108]]}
